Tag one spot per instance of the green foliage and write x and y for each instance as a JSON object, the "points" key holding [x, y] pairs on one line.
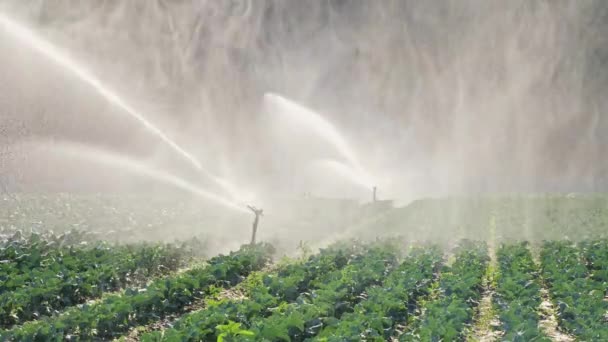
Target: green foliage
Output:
{"points": [[595, 253], [517, 295], [347, 292], [336, 296], [375, 317], [267, 293], [116, 314], [41, 277], [579, 294], [232, 331], [444, 319]]}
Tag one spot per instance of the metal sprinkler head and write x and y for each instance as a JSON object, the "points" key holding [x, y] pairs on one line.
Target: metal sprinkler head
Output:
{"points": [[257, 212]]}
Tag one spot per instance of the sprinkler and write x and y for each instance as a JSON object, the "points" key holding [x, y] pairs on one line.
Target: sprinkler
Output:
{"points": [[257, 212], [374, 197]]}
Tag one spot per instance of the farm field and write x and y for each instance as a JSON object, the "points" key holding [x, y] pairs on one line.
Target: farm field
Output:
{"points": [[303, 171], [135, 218], [139, 217], [56, 289], [497, 287]]}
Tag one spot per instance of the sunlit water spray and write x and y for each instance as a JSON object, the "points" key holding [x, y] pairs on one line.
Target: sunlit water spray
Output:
{"points": [[346, 172], [62, 59], [301, 115], [124, 163], [309, 119]]}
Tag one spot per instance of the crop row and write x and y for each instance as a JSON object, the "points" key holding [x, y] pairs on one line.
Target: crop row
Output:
{"points": [[347, 292], [264, 292], [75, 275], [364, 300], [28, 259], [578, 291], [595, 254], [24, 254], [517, 296], [323, 306], [20, 268], [460, 285], [376, 317], [116, 314]]}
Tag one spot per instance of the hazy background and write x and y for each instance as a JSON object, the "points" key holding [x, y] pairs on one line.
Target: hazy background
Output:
{"points": [[439, 97]]}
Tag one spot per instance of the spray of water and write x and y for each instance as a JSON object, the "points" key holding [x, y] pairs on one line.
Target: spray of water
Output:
{"points": [[301, 115], [345, 172], [125, 163], [305, 117], [236, 194], [62, 59]]}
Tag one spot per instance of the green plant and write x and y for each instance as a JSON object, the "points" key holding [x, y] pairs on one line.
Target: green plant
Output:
{"points": [[116, 314], [232, 331]]}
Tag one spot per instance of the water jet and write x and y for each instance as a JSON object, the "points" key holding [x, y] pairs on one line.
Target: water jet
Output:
{"points": [[346, 172], [63, 60], [118, 161], [349, 167], [313, 121]]}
